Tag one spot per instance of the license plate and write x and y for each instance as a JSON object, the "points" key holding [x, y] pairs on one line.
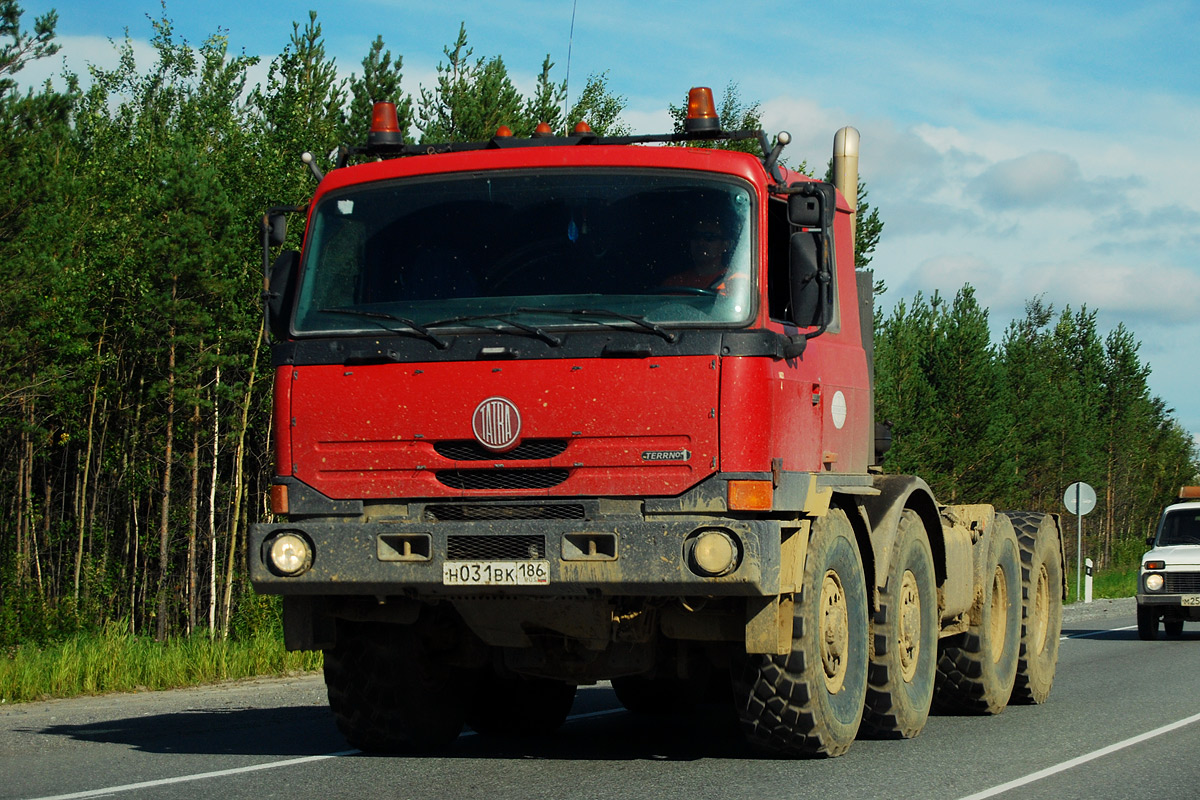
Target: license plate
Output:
{"points": [[495, 573], [1190, 600]]}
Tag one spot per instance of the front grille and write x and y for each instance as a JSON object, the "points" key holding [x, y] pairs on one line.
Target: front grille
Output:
{"points": [[1182, 582], [495, 548], [532, 450], [461, 513], [501, 478]]}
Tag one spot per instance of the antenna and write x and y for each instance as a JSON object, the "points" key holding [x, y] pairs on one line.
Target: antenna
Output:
{"points": [[567, 81]]}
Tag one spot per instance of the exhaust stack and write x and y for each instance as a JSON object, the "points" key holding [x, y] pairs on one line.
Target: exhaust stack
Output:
{"points": [[845, 171]]}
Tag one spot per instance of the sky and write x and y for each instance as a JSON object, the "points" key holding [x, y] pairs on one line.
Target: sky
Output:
{"points": [[1030, 149]]}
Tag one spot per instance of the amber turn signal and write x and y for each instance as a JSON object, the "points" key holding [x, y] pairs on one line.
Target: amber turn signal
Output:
{"points": [[750, 495], [279, 499]]}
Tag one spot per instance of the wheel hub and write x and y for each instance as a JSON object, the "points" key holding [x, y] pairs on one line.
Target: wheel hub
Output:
{"points": [[1040, 624], [834, 632], [909, 638], [998, 624]]}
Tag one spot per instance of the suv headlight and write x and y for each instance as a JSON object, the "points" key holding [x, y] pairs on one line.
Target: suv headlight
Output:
{"points": [[1154, 582]]}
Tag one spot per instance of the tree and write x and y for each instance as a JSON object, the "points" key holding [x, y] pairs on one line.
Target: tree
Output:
{"points": [[301, 108], [903, 391], [470, 100], [937, 385], [1043, 412], [23, 47], [599, 108], [546, 105]]}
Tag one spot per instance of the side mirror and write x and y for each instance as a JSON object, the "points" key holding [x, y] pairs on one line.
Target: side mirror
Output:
{"points": [[810, 212], [804, 265], [1150, 541], [804, 211], [811, 205], [811, 280], [281, 293], [276, 225]]}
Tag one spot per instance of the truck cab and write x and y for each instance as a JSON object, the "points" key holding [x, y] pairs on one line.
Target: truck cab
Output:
{"points": [[566, 409]]}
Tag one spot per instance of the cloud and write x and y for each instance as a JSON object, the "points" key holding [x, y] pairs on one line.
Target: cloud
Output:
{"points": [[1040, 179], [1135, 293]]}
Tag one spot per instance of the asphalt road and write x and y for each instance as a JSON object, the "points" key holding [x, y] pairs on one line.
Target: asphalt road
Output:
{"points": [[1123, 721]]}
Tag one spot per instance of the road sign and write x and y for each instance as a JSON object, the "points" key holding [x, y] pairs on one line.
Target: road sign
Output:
{"points": [[1079, 498]]}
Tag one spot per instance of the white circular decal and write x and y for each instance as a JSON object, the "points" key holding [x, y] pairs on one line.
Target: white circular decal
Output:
{"points": [[838, 410]]}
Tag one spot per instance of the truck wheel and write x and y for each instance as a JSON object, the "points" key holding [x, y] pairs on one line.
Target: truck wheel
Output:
{"points": [[389, 693], [977, 669], [810, 702], [1147, 623], [653, 696], [1173, 627], [518, 706], [1041, 605], [904, 639]]}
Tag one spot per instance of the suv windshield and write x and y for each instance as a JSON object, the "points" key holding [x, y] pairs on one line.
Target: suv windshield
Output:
{"points": [[645, 247], [1180, 527]]}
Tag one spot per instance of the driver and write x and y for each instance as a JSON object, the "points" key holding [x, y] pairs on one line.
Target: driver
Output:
{"points": [[710, 246]]}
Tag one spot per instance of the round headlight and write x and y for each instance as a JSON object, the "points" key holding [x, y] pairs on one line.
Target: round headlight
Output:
{"points": [[712, 553], [1154, 582], [289, 554]]}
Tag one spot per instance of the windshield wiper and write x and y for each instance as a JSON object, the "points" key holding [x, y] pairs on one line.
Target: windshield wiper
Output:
{"points": [[412, 327], [505, 317], [603, 312]]}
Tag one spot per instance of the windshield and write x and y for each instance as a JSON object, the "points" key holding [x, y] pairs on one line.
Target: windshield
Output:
{"points": [[656, 247], [1180, 527]]}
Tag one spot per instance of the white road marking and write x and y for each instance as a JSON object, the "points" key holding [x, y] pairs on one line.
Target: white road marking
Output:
{"points": [[221, 773], [129, 787], [1075, 762], [1098, 633]]}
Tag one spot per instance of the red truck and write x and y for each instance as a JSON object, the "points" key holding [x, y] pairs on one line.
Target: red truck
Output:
{"points": [[558, 410]]}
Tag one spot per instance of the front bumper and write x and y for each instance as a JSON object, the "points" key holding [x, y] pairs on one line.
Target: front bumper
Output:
{"points": [[1186, 602], [634, 557]]}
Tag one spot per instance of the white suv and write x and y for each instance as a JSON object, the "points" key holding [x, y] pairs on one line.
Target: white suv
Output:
{"points": [[1169, 583]]}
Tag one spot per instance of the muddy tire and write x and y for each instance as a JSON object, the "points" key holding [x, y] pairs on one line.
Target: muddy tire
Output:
{"points": [[516, 706], [389, 693], [977, 669], [1041, 605], [810, 702], [904, 634], [1173, 628], [1147, 619]]}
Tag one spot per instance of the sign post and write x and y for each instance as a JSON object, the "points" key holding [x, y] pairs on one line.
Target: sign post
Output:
{"points": [[1079, 500]]}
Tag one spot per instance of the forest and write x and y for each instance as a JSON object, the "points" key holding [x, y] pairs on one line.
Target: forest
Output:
{"points": [[134, 373]]}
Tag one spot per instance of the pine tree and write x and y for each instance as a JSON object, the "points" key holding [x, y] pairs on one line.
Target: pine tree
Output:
{"points": [[471, 99]]}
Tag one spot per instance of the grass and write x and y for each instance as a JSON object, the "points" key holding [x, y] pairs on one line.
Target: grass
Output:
{"points": [[1109, 583], [121, 662]]}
